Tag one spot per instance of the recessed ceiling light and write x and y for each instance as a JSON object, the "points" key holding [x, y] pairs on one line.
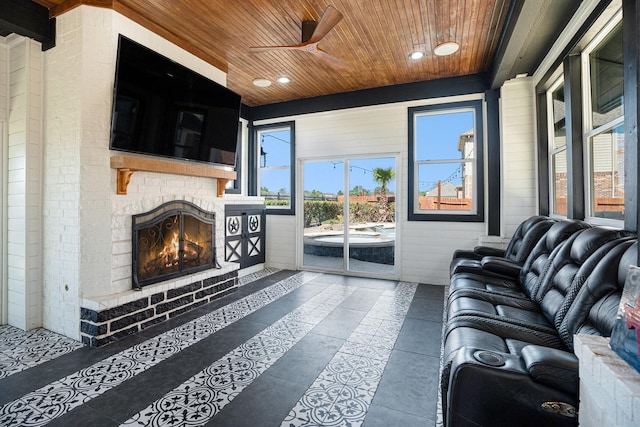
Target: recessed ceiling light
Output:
{"points": [[416, 55], [284, 79], [262, 82], [446, 48]]}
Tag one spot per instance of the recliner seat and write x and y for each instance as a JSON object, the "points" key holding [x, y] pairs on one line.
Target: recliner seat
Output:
{"points": [[529, 331], [576, 255], [538, 386]]}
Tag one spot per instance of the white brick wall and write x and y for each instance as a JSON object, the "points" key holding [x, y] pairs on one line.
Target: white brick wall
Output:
{"points": [[609, 387], [86, 247], [61, 213]]}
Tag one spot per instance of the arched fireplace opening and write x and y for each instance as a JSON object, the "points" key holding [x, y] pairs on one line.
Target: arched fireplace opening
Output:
{"points": [[175, 239]]}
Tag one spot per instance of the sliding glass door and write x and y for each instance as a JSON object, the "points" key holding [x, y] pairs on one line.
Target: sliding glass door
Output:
{"points": [[349, 215]]}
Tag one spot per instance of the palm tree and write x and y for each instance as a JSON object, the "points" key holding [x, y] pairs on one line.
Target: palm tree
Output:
{"points": [[383, 176]]}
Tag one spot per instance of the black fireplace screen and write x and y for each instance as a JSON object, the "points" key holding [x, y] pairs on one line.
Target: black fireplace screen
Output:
{"points": [[175, 239]]}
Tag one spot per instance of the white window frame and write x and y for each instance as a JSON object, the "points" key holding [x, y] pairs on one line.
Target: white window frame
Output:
{"points": [[588, 130], [276, 127], [552, 150], [476, 214]]}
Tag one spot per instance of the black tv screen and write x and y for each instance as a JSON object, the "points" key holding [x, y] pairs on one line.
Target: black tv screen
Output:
{"points": [[165, 109]]}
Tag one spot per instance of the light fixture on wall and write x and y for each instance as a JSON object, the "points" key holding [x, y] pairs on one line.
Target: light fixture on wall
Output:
{"points": [[447, 48]]}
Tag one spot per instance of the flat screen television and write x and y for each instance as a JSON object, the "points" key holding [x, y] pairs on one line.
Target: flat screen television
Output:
{"points": [[164, 109]]}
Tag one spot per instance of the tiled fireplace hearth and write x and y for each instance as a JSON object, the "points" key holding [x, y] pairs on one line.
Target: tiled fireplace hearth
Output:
{"points": [[100, 327]]}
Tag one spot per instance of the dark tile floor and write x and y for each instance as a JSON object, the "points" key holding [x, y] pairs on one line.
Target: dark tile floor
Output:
{"points": [[288, 349]]}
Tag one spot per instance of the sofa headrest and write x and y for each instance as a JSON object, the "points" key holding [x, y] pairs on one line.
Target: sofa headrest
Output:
{"points": [[629, 258], [524, 235], [594, 308], [530, 222], [590, 240], [562, 230]]}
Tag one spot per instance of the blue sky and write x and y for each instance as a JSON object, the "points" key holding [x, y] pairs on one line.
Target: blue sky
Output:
{"points": [[437, 139], [328, 176]]}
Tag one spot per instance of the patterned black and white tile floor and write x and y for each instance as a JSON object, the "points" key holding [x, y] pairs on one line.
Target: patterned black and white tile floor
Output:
{"points": [[288, 349]]}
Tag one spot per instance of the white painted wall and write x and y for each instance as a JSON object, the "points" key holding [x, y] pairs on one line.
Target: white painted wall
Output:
{"points": [[280, 235], [423, 248], [23, 186], [4, 79], [518, 147], [4, 106]]}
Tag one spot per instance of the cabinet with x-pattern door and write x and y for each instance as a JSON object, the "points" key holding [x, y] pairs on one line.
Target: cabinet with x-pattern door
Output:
{"points": [[245, 234]]}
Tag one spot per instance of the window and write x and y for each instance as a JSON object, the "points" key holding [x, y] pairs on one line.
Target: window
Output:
{"points": [[557, 148], [604, 137], [234, 187], [275, 157], [445, 170]]}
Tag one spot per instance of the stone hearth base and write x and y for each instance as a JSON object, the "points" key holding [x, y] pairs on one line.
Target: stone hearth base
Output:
{"points": [[98, 328]]}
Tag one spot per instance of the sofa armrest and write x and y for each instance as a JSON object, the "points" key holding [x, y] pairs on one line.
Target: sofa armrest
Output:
{"points": [[552, 367], [465, 254], [500, 266], [488, 251], [496, 390]]}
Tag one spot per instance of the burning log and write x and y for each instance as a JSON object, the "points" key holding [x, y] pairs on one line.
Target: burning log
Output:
{"points": [[192, 251], [169, 257]]}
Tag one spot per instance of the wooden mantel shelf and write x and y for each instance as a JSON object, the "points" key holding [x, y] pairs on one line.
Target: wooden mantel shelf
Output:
{"points": [[127, 165]]}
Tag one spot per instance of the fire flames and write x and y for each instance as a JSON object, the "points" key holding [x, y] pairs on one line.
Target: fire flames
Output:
{"points": [[172, 245], [170, 254]]}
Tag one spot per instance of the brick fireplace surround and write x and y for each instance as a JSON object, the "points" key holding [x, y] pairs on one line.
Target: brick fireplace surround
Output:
{"points": [[78, 281]]}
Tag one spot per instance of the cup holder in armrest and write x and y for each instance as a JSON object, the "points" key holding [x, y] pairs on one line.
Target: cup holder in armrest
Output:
{"points": [[489, 358]]}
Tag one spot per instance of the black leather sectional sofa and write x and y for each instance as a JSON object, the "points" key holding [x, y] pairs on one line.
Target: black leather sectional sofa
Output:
{"points": [[512, 315]]}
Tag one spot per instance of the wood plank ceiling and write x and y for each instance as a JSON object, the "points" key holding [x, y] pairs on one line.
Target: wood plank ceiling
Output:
{"points": [[374, 39]]}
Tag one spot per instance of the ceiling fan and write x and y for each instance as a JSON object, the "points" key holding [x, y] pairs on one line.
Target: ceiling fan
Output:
{"points": [[312, 34]]}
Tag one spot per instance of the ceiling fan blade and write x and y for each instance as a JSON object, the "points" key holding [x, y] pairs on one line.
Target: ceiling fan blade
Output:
{"points": [[268, 48], [329, 19], [329, 59]]}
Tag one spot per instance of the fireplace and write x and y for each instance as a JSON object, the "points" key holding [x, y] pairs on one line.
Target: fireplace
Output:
{"points": [[172, 240]]}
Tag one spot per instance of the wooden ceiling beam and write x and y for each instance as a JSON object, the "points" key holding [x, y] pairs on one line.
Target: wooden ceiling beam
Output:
{"points": [[28, 19]]}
